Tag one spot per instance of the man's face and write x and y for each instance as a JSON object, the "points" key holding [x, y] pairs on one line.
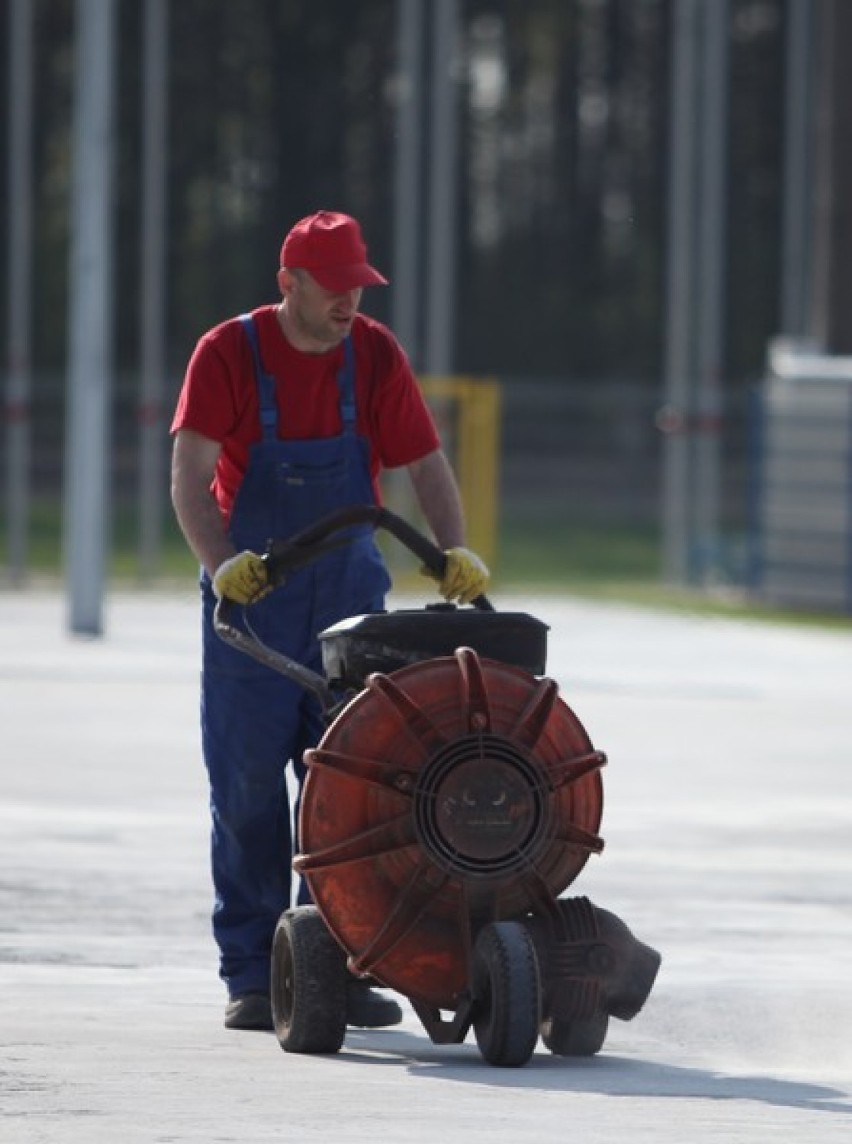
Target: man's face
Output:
{"points": [[319, 319]]}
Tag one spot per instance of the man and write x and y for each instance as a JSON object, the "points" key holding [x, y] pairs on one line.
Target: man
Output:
{"points": [[285, 415]]}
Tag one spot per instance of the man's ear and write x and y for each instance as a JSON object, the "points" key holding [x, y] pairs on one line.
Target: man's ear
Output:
{"points": [[286, 281]]}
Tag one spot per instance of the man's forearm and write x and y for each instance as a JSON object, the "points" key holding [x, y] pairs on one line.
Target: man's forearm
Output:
{"points": [[438, 496], [201, 523]]}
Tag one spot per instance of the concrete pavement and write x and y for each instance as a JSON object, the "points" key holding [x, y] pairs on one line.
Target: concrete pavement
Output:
{"points": [[728, 820]]}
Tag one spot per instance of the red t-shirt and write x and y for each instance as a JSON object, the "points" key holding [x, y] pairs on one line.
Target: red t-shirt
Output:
{"points": [[218, 398]]}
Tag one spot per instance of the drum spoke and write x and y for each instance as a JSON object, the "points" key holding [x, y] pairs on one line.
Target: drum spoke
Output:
{"points": [[474, 708], [535, 715], [568, 771], [413, 901], [374, 771], [416, 722], [396, 834]]}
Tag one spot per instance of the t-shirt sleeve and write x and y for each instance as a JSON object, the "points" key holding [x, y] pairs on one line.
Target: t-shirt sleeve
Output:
{"points": [[403, 428], [208, 402]]}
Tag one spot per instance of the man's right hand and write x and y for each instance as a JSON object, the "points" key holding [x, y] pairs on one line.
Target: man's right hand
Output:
{"points": [[242, 578]]}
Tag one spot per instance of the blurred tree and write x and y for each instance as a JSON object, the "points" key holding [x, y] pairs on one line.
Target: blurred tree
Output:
{"points": [[279, 112], [832, 302], [565, 185], [278, 107], [755, 187]]}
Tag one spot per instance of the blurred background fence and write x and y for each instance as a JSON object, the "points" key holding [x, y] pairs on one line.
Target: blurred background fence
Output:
{"points": [[600, 212], [800, 526], [562, 479]]}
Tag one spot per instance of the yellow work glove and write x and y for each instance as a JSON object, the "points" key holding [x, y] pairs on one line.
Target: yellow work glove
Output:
{"points": [[242, 579], [465, 576]]}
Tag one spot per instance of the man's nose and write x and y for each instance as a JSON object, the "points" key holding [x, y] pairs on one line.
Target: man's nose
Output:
{"points": [[352, 297]]}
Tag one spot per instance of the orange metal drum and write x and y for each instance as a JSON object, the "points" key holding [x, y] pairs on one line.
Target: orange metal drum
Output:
{"points": [[449, 794]]}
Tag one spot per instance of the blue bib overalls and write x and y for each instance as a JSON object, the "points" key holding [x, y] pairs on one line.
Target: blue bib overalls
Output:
{"points": [[253, 720]]}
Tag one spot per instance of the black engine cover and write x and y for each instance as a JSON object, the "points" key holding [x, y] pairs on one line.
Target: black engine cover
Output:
{"points": [[385, 641]]}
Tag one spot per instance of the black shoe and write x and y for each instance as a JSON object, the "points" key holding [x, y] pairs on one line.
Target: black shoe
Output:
{"points": [[249, 1011], [366, 1008]]}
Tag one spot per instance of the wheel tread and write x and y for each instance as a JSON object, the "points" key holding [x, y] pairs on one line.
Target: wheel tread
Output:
{"points": [[507, 984], [308, 988]]}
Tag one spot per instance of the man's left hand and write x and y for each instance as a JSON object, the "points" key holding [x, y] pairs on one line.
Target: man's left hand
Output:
{"points": [[465, 576]]}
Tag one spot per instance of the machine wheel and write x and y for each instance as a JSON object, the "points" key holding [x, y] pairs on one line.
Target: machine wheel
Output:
{"points": [[507, 994], [308, 984], [582, 1037]]}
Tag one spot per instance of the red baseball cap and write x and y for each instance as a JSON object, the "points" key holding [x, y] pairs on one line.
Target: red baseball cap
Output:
{"points": [[330, 247]]}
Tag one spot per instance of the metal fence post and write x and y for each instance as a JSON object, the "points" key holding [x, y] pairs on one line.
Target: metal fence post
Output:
{"points": [[18, 381], [87, 437]]}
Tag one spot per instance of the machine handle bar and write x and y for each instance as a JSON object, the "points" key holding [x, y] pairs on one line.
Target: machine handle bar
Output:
{"points": [[283, 556]]}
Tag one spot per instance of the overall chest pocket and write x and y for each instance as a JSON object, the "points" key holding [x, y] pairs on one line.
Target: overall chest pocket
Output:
{"points": [[317, 474]]}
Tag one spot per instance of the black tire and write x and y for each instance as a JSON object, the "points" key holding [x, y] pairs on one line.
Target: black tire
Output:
{"points": [[582, 1037], [507, 994], [308, 984]]}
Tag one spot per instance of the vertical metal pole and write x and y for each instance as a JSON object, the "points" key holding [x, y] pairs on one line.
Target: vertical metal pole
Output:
{"points": [[18, 380], [443, 193], [90, 319], [153, 287], [823, 172], [680, 295], [796, 273], [848, 514], [709, 312], [754, 506], [408, 190]]}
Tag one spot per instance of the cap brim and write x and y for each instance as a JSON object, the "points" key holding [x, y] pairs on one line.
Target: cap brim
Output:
{"points": [[341, 278]]}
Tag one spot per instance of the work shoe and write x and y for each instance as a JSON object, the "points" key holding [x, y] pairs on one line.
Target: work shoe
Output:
{"points": [[249, 1011], [366, 1008]]}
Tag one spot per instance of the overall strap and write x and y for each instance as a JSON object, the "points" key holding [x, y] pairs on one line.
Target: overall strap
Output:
{"points": [[265, 383], [346, 387]]}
